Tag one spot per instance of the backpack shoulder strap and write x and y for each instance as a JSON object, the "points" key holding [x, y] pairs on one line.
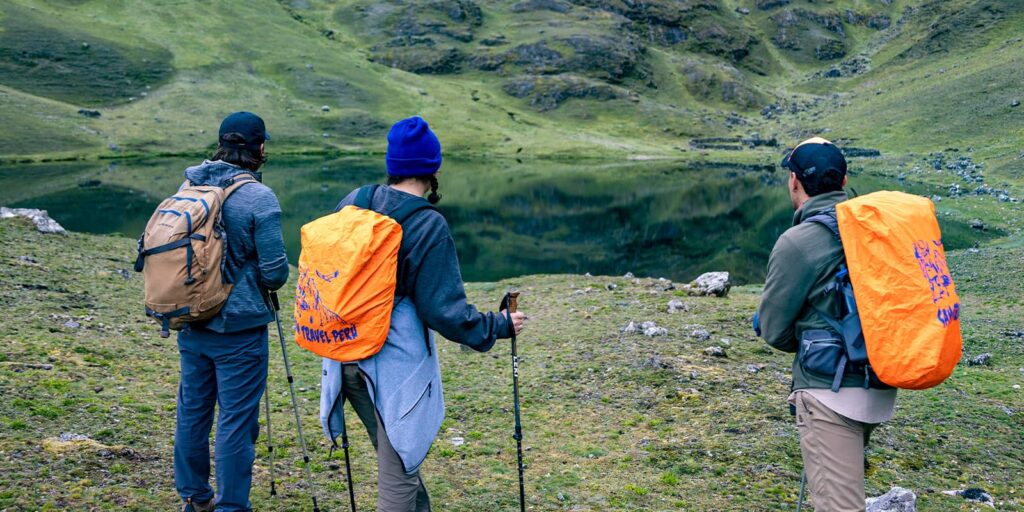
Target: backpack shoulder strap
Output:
{"points": [[237, 182], [409, 208], [828, 219], [364, 197]]}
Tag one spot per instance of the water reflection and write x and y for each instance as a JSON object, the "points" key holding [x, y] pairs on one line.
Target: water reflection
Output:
{"points": [[508, 219]]}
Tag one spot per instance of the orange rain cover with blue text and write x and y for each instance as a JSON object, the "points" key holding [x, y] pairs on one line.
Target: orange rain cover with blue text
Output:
{"points": [[908, 306], [348, 272]]}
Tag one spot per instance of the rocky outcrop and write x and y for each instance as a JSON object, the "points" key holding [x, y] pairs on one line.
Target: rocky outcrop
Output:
{"points": [[541, 5], [40, 218], [548, 92], [722, 83], [600, 57], [418, 55]]}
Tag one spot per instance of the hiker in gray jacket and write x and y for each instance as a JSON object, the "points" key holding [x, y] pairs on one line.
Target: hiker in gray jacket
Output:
{"points": [[397, 392], [224, 360]]}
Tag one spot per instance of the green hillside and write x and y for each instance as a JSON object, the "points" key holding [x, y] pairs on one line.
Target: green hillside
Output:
{"points": [[566, 78]]}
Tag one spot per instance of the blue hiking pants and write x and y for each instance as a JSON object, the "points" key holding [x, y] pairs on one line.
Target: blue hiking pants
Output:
{"points": [[229, 370]]}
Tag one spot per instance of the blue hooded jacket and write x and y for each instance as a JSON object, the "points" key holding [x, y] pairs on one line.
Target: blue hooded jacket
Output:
{"points": [[255, 258]]}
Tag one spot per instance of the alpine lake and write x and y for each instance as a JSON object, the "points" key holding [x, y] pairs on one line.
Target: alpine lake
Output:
{"points": [[509, 218]]}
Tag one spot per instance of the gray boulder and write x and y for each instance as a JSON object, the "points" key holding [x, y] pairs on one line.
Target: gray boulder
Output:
{"points": [[897, 499], [676, 306], [980, 360], [711, 284], [715, 352], [41, 219]]}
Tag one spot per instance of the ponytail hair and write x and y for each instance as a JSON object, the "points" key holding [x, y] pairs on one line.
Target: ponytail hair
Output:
{"points": [[434, 196]]}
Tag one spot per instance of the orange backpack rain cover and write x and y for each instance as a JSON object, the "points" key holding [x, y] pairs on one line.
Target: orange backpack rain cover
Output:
{"points": [[908, 306], [348, 271]]}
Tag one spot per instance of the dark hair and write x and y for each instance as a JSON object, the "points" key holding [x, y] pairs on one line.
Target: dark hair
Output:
{"points": [[242, 156], [431, 180], [822, 182]]}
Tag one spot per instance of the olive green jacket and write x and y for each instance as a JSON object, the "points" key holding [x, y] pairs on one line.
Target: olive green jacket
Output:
{"points": [[803, 263]]}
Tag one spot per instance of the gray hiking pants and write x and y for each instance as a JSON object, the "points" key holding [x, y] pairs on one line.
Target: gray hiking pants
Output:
{"points": [[396, 490], [833, 453]]}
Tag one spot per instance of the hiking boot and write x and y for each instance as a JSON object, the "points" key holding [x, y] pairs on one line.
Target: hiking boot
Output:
{"points": [[196, 506]]}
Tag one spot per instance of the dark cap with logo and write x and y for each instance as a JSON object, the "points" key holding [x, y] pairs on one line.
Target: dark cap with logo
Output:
{"points": [[250, 126], [813, 157]]}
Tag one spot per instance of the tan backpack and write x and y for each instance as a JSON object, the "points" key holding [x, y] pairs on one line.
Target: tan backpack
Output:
{"points": [[181, 254]]}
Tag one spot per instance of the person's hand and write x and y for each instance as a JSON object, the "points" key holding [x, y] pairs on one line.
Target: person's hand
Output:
{"points": [[517, 320]]}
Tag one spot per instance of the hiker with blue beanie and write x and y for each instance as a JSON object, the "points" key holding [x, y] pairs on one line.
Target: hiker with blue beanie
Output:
{"points": [[224, 359], [397, 392]]}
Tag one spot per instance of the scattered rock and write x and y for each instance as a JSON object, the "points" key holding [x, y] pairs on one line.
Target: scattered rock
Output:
{"points": [[743, 10], [754, 368], [715, 351], [980, 360], [71, 324], [41, 219], [611, 286], [676, 306], [711, 283], [325, 108], [1015, 103], [897, 499], [97, 389], [458, 441], [124, 273], [974, 495], [655, 362], [700, 335], [89, 113], [629, 275], [630, 328], [28, 260], [651, 329], [978, 225]]}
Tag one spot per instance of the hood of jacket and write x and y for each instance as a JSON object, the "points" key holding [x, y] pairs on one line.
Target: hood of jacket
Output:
{"points": [[216, 173]]}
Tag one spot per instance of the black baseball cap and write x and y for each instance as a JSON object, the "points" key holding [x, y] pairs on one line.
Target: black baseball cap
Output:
{"points": [[249, 125], [812, 157]]}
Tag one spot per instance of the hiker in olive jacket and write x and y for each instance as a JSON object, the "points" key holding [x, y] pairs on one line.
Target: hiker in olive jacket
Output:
{"points": [[224, 360], [834, 425]]}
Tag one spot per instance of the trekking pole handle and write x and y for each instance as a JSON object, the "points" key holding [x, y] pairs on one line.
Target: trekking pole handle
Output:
{"points": [[275, 301], [513, 301]]}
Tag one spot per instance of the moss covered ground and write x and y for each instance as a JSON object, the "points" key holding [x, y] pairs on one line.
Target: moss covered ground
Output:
{"points": [[612, 421]]}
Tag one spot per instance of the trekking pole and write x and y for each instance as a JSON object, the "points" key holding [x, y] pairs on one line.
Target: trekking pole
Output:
{"points": [[270, 441], [344, 446], [803, 483], [509, 304], [291, 388]]}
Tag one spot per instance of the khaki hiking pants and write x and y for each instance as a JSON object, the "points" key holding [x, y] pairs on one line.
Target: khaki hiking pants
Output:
{"points": [[396, 491], [833, 451]]}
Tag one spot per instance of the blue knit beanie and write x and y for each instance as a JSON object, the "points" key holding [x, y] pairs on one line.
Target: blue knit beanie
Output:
{"points": [[413, 149]]}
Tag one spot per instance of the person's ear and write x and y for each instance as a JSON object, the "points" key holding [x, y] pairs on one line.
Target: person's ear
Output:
{"points": [[845, 179], [794, 183]]}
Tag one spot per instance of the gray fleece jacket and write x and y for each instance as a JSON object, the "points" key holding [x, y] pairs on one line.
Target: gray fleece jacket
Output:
{"points": [[255, 258]]}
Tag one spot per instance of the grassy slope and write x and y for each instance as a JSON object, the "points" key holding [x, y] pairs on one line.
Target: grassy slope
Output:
{"points": [[612, 422], [215, 70]]}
